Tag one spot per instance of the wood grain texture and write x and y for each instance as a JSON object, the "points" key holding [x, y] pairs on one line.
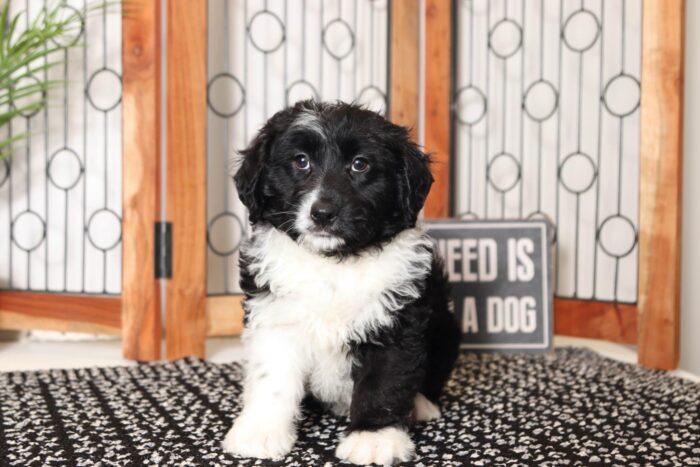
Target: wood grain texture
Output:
{"points": [[54, 311], [660, 184], [609, 321], [141, 316], [225, 315], [186, 124], [20, 322], [405, 66], [438, 46]]}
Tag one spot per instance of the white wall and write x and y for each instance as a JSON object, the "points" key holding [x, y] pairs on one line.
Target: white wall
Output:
{"points": [[690, 292]]}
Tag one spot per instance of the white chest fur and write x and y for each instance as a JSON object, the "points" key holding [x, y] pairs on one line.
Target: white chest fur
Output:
{"points": [[342, 300], [328, 302]]}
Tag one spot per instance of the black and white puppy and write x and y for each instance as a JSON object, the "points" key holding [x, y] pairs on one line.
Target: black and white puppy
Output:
{"points": [[345, 298]]}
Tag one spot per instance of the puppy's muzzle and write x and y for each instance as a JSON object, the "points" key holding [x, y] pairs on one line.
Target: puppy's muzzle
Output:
{"points": [[324, 213]]}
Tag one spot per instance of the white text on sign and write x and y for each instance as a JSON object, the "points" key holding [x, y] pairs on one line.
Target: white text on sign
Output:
{"points": [[476, 259]]}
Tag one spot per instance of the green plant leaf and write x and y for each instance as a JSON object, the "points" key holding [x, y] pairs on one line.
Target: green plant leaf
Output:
{"points": [[26, 55]]}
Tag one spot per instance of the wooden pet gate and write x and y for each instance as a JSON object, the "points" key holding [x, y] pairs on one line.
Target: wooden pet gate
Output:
{"points": [[490, 96]]}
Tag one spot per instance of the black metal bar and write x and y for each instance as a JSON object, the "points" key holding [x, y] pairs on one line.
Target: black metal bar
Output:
{"points": [[557, 257], [451, 195], [85, 159]]}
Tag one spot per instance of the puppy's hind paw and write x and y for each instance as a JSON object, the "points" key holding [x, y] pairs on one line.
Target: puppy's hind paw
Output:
{"points": [[250, 439], [424, 410], [383, 447]]}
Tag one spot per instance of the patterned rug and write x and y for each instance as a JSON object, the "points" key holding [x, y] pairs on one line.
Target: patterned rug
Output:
{"points": [[568, 407]]}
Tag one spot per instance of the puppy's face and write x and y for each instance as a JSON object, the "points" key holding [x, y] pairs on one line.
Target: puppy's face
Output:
{"points": [[335, 177]]}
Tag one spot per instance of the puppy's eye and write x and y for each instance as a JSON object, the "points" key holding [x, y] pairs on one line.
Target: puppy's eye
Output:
{"points": [[360, 164], [302, 162]]}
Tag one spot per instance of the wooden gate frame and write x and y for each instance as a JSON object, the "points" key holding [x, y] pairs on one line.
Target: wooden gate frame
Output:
{"points": [[135, 316], [653, 323], [191, 315]]}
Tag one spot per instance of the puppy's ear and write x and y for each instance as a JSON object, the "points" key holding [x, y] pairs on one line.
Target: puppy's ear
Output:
{"points": [[249, 175], [416, 181]]}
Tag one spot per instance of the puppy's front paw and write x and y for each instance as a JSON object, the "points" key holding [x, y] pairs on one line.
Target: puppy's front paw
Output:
{"points": [[383, 447], [424, 410], [253, 438]]}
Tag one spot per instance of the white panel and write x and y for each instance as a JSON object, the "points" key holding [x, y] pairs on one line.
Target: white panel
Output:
{"points": [[64, 188], [546, 108]]}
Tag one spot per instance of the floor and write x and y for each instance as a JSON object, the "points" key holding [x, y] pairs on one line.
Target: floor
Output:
{"points": [[75, 354]]}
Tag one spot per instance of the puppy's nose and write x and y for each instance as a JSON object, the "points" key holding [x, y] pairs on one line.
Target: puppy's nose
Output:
{"points": [[323, 212]]}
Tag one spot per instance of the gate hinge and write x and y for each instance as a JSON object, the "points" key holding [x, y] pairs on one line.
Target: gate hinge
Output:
{"points": [[163, 250]]}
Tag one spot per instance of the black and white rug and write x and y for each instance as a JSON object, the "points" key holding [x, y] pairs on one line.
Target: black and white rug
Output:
{"points": [[568, 407]]}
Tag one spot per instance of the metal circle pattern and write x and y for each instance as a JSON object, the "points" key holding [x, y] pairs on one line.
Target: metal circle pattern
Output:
{"points": [[266, 31], [338, 39], [538, 216], [581, 31], [621, 95], [470, 105], [71, 36], [617, 236], [551, 228], [19, 101], [503, 172], [373, 98], [104, 89], [300, 90], [577, 172], [104, 229], [5, 168], [222, 232], [225, 95], [28, 230], [505, 38], [64, 169], [540, 100]]}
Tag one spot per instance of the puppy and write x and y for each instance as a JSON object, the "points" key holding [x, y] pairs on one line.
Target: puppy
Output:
{"points": [[345, 297]]}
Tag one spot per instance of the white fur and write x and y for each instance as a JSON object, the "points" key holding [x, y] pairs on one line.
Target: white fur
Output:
{"points": [[333, 301], [250, 438], [424, 410], [274, 387], [309, 120], [321, 243], [303, 222], [382, 447], [298, 334]]}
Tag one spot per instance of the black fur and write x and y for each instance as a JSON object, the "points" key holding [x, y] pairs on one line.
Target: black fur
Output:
{"points": [[417, 353], [393, 191]]}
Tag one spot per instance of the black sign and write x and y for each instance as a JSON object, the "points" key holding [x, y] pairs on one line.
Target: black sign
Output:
{"points": [[500, 274]]}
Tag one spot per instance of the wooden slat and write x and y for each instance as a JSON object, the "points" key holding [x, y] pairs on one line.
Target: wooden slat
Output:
{"points": [[46, 310], [21, 322], [141, 317], [186, 120], [225, 315], [596, 320], [660, 184], [405, 67], [438, 46]]}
